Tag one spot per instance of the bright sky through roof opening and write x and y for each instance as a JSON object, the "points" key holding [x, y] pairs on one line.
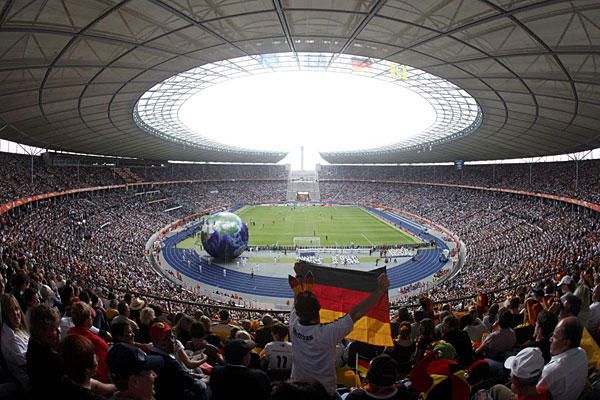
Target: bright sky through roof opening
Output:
{"points": [[318, 110]]}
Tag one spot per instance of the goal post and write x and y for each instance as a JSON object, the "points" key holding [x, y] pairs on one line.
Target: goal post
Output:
{"points": [[307, 241]]}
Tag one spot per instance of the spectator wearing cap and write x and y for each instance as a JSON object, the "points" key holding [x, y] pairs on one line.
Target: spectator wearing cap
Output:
{"points": [[135, 308], [254, 356], [565, 376], [381, 377], [566, 286], [525, 371], [133, 372], [173, 380], [235, 380], [82, 315]]}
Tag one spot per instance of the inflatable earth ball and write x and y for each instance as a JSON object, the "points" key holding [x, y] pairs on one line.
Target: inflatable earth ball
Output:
{"points": [[224, 235]]}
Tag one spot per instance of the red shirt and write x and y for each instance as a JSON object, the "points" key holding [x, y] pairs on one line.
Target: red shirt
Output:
{"points": [[100, 347]]}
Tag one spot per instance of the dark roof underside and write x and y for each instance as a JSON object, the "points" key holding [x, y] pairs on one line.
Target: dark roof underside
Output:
{"points": [[71, 71]]}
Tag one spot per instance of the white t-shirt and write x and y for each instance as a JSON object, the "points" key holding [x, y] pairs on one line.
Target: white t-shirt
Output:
{"points": [[14, 349], [314, 349], [278, 355], [565, 375], [476, 330]]}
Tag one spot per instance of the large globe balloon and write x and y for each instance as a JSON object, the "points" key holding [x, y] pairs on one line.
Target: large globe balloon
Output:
{"points": [[224, 235]]}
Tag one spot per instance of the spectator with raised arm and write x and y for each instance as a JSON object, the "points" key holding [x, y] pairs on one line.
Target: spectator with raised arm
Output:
{"points": [[313, 343]]}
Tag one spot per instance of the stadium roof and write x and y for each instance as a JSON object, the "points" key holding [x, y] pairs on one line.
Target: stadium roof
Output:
{"points": [[456, 113], [72, 71]]}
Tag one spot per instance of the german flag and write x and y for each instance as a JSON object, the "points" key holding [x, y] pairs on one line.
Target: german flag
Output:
{"points": [[338, 291], [362, 365]]}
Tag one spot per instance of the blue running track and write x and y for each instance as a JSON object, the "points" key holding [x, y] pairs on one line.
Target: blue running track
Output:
{"points": [[428, 263]]}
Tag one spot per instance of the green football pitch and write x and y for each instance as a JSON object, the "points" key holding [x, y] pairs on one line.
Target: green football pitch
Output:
{"points": [[333, 226]]}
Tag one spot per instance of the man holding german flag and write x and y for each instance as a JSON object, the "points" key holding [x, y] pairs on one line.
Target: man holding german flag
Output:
{"points": [[324, 294]]}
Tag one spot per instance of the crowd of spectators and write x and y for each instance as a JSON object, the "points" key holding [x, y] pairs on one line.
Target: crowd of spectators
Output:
{"points": [[78, 342], [573, 179], [101, 237], [64, 332], [510, 239], [23, 175]]}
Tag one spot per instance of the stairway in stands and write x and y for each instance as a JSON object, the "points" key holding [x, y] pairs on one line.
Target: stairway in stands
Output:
{"points": [[303, 181]]}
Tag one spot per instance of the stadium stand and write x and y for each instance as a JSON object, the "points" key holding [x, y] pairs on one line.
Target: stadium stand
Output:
{"points": [[575, 179], [88, 247]]}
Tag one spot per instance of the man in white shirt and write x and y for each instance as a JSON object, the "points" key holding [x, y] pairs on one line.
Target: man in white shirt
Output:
{"points": [[313, 343], [565, 375]]}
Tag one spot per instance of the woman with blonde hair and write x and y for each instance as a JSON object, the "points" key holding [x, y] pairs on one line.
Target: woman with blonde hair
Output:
{"points": [[147, 318], [14, 339], [210, 337]]}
